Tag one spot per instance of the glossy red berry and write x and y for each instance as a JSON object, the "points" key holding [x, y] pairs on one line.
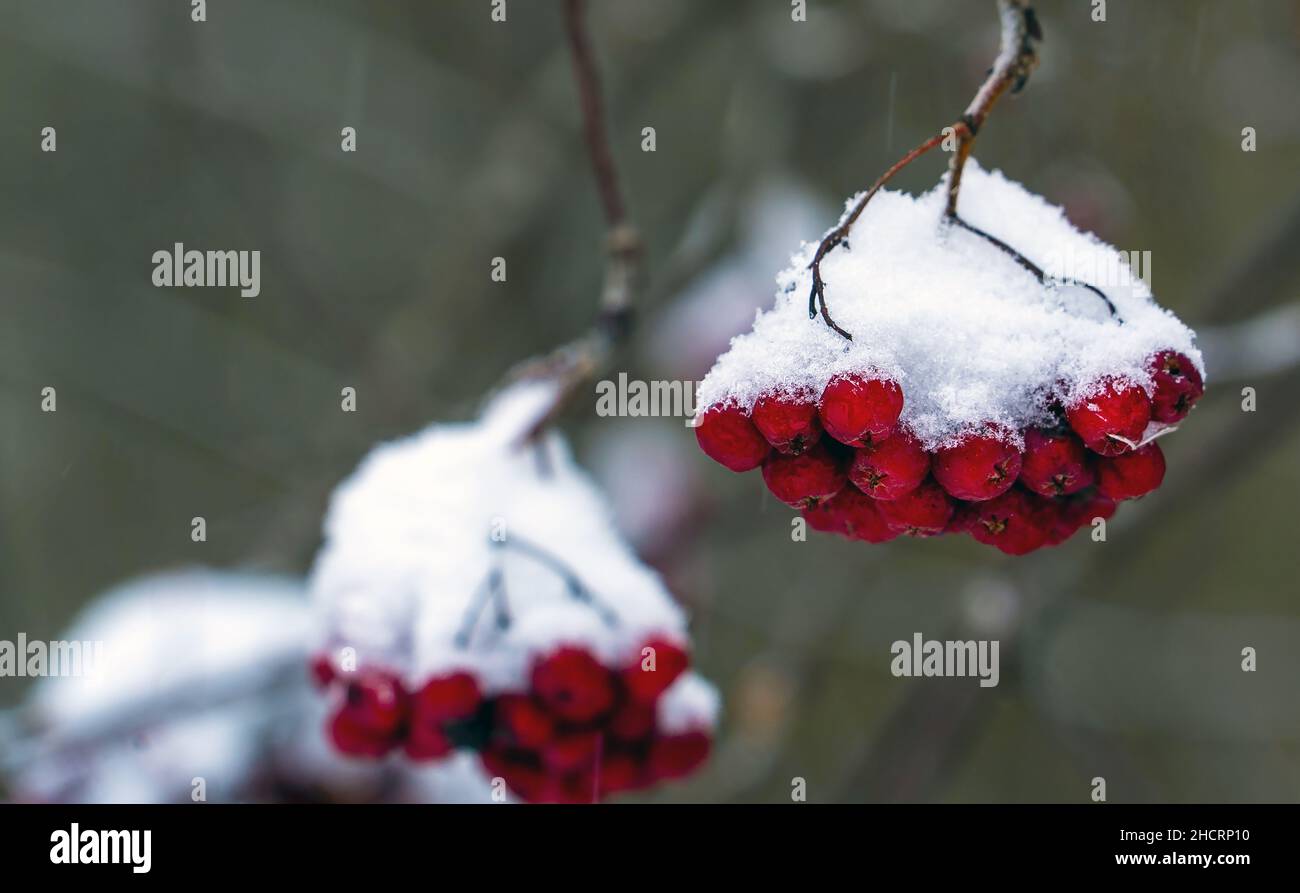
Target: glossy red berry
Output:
{"points": [[675, 756], [376, 700], [427, 742], [352, 737], [525, 721], [632, 721], [889, 468], [573, 685], [979, 466], [1132, 474], [728, 437], [1055, 463], [924, 511], [1178, 386], [520, 769], [655, 670], [1014, 522], [1110, 418], [372, 717], [853, 514], [1080, 510], [857, 410], [620, 771], [805, 480], [571, 752], [447, 698], [789, 423], [442, 700]]}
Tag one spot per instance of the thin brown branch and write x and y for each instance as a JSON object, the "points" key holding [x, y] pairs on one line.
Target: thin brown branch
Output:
{"points": [[1015, 60], [1032, 267], [593, 112], [575, 363], [839, 235]]}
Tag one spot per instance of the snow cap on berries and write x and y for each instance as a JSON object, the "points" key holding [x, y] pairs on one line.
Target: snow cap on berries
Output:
{"points": [[972, 337], [413, 536]]}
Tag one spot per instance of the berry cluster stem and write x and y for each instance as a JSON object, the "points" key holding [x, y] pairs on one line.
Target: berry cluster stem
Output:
{"points": [[574, 363], [577, 589], [493, 590], [1015, 60], [1031, 266]]}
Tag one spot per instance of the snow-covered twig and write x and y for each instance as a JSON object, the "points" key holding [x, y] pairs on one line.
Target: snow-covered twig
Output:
{"points": [[25, 738], [1015, 60]]}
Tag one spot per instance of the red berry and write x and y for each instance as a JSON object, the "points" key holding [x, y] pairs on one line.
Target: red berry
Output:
{"points": [[520, 769], [891, 467], [1055, 464], [526, 724], [804, 480], [674, 756], [442, 700], [853, 514], [633, 721], [857, 410], [788, 423], [353, 737], [651, 675], [619, 772], [728, 437], [924, 511], [1014, 522], [447, 698], [426, 742], [978, 467], [1178, 386], [1114, 409], [573, 685], [322, 670], [1077, 511], [376, 700], [571, 752], [1132, 474]]}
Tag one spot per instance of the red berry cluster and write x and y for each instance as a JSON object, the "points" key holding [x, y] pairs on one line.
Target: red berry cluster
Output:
{"points": [[847, 464], [580, 731]]}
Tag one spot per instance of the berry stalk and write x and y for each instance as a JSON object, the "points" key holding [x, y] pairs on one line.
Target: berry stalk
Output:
{"points": [[1015, 60]]}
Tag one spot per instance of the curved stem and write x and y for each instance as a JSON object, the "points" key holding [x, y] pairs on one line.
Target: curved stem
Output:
{"points": [[839, 235], [574, 363], [1033, 267], [577, 589], [1015, 60]]}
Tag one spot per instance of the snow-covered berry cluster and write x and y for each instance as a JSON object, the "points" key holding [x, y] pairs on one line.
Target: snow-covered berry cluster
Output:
{"points": [[579, 731], [974, 398], [478, 599]]}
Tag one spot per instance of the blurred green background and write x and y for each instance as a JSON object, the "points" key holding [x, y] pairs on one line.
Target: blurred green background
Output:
{"points": [[1119, 660]]}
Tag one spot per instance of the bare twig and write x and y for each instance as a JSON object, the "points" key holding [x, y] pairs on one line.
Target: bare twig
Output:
{"points": [[576, 362], [1015, 60], [840, 235], [1031, 266]]}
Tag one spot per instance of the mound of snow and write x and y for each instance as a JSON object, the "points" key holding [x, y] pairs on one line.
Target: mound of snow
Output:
{"points": [[971, 335]]}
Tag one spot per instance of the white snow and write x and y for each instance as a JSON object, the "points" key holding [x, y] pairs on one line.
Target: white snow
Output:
{"points": [[409, 542], [198, 632], [174, 632], [970, 335]]}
